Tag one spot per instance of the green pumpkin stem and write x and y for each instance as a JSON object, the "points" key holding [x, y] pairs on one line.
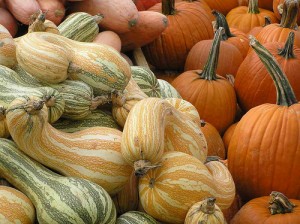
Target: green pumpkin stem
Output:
{"points": [[285, 93], [222, 22], [209, 70], [287, 51], [280, 204], [253, 7], [289, 14], [168, 7]]}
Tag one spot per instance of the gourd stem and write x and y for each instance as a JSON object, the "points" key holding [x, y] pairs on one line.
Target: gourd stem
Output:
{"points": [[267, 21], [253, 7], [287, 51], [50, 101], [285, 93], [222, 22], [209, 70], [280, 204], [209, 206], [98, 18], [141, 167], [99, 101], [289, 14], [38, 24], [168, 7]]}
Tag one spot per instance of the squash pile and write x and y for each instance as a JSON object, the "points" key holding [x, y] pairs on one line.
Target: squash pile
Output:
{"points": [[149, 111]]}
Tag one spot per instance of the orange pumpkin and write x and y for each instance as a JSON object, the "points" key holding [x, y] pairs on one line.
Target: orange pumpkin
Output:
{"points": [[212, 95], [222, 6], [255, 30], [277, 9], [227, 136]]}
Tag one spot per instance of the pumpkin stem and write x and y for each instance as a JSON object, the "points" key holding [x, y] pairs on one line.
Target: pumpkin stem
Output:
{"points": [[280, 204], [267, 21], [253, 7], [212, 158], [99, 101], [285, 93], [141, 167], [209, 205], [168, 7], [287, 51], [222, 22], [289, 14], [209, 70], [202, 123], [98, 18]]}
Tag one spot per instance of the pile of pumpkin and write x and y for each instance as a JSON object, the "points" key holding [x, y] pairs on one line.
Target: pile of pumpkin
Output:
{"points": [[91, 134]]}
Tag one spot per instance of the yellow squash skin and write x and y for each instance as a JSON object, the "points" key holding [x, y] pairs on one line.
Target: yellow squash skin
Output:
{"points": [[168, 192], [15, 207], [53, 58], [93, 153], [7, 48], [156, 125]]}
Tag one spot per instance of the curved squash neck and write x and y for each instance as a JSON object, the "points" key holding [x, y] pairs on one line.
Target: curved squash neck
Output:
{"points": [[285, 93], [287, 51], [222, 22], [209, 71], [168, 7], [253, 7], [289, 14]]}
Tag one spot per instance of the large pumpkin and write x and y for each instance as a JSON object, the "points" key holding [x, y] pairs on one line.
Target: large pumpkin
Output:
{"points": [[264, 150]]}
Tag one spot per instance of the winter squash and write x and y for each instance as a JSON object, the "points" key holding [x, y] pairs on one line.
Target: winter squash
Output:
{"points": [[167, 192], [4, 133], [279, 32], [7, 48], [227, 136], [135, 217], [40, 24], [54, 9], [109, 38], [222, 6], [265, 4], [189, 22], [8, 21], [167, 90], [14, 205], [253, 84], [277, 9], [230, 212], [93, 153], [255, 30], [274, 131], [205, 211], [205, 86], [142, 5], [276, 208]]}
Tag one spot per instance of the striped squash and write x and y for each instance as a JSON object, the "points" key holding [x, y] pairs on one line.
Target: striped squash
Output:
{"points": [[168, 192], [57, 199], [205, 211], [78, 96], [80, 26], [93, 154], [97, 118], [135, 217], [11, 87], [155, 125], [52, 59], [123, 101], [15, 207], [167, 90], [146, 80], [4, 133], [7, 48]]}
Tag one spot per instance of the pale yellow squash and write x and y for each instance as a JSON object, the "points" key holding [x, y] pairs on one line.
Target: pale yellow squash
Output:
{"points": [[7, 48]]}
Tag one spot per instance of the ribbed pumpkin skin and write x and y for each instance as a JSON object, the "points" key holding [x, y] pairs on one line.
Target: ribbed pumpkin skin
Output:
{"points": [[93, 154], [57, 199], [253, 84], [190, 24], [167, 90], [228, 135], [230, 57], [167, 192], [146, 80], [7, 48], [219, 95], [135, 217], [53, 58], [15, 206], [256, 211], [266, 139], [222, 6], [80, 26]]}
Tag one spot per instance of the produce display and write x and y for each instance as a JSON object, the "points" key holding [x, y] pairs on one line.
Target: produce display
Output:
{"points": [[149, 112]]}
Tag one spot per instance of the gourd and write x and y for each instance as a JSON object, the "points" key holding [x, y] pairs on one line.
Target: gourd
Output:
{"points": [[80, 26], [40, 24], [136, 217], [11, 87], [55, 10], [4, 133], [167, 90], [109, 38], [93, 153], [57, 199], [7, 48], [52, 59]]}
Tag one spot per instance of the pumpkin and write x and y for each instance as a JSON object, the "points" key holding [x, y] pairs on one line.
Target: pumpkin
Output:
{"points": [[190, 24], [245, 18], [205, 211], [277, 9], [93, 153], [264, 4], [276, 208], [109, 38], [227, 136], [54, 9], [253, 84], [14, 205], [222, 6], [279, 32], [168, 191], [255, 30], [230, 212], [8, 21], [205, 86], [7, 48], [145, 4], [266, 138]]}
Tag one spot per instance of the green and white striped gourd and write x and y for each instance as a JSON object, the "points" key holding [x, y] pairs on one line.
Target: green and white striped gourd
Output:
{"points": [[12, 87], [167, 90], [80, 26], [135, 217], [78, 96], [146, 80], [97, 118], [57, 199]]}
